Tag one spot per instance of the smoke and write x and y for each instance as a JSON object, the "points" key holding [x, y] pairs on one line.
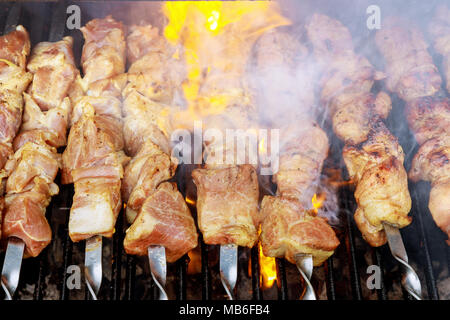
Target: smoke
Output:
{"points": [[281, 79]]}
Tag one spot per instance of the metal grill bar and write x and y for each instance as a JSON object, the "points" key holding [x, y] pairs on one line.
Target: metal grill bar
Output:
{"points": [[67, 192], [181, 277], [256, 273], [379, 262], [429, 274], [206, 275], [281, 279], [117, 253], [350, 243], [331, 289], [130, 278]]}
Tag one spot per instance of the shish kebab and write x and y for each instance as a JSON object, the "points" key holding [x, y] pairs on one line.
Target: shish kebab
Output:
{"points": [[35, 163], [290, 228], [227, 192], [373, 156], [14, 79], [414, 77], [93, 159], [162, 225]]}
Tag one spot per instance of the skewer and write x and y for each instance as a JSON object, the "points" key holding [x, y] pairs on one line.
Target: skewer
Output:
{"points": [[11, 266], [15, 247], [93, 265], [158, 268], [304, 264], [410, 280], [228, 268]]}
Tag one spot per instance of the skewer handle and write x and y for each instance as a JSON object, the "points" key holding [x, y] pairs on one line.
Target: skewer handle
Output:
{"points": [[93, 265], [305, 266], [410, 280], [158, 268], [11, 266], [228, 268]]}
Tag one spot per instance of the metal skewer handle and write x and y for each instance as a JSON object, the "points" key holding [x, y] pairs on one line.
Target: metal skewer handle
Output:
{"points": [[410, 280], [228, 268], [93, 265], [11, 266], [158, 268], [304, 264]]}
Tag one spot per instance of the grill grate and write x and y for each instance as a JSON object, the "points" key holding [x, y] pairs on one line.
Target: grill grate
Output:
{"points": [[46, 21]]}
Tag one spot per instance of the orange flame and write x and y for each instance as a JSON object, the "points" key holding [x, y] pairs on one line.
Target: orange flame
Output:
{"points": [[190, 201], [195, 262], [317, 202], [217, 38], [268, 268]]}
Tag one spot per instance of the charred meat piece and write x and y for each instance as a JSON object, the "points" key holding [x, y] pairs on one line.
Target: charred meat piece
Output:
{"points": [[376, 167]]}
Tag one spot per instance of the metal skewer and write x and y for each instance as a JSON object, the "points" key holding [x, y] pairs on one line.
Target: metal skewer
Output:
{"points": [[93, 265], [304, 264], [410, 280], [228, 268], [11, 266], [158, 268]]}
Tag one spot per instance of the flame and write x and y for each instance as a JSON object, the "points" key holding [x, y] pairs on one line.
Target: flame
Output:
{"points": [[268, 268], [190, 201], [317, 202], [195, 262], [217, 38], [262, 147]]}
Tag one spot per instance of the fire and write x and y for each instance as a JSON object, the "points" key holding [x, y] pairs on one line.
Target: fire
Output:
{"points": [[217, 38], [262, 146], [317, 201], [190, 201], [268, 268], [195, 262]]}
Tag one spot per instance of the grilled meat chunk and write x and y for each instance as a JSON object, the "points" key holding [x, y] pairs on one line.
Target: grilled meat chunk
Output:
{"points": [[409, 66], [227, 205], [382, 195]]}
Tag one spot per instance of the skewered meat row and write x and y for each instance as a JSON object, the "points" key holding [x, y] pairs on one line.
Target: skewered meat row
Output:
{"points": [[156, 209], [14, 52], [427, 113], [227, 186], [36, 161], [289, 226], [373, 157], [93, 159]]}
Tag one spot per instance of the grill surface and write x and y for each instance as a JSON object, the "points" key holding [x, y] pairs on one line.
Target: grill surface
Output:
{"points": [[127, 277]]}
